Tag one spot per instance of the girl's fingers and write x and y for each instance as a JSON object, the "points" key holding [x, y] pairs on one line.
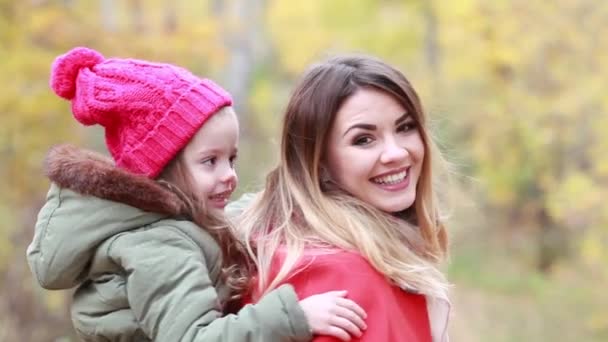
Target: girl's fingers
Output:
{"points": [[351, 305], [338, 332], [346, 325], [351, 316], [340, 293]]}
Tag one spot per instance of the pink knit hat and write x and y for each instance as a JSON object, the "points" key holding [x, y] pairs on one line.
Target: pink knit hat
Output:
{"points": [[150, 111]]}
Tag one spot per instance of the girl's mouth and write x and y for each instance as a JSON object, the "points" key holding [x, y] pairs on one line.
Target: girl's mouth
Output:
{"points": [[220, 200]]}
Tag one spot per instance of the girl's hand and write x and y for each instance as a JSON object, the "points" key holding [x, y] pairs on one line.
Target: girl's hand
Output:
{"points": [[332, 314]]}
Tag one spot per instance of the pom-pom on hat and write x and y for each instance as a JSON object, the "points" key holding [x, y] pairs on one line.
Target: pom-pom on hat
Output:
{"points": [[150, 111]]}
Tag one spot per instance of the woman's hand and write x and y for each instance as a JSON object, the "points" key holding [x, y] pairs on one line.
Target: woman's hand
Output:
{"points": [[331, 314]]}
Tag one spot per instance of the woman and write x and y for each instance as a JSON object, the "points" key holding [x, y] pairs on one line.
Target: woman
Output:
{"points": [[352, 204]]}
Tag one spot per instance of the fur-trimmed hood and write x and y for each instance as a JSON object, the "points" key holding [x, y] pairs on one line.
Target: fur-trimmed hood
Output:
{"points": [[92, 174], [90, 201]]}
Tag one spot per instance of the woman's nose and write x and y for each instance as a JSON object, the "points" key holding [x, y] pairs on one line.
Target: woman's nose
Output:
{"points": [[393, 152]]}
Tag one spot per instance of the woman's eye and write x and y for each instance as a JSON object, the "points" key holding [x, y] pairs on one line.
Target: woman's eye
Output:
{"points": [[406, 127], [209, 161], [363, 140]]}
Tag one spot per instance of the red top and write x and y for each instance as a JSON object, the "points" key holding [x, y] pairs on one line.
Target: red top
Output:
{"points": [[393, 314]]}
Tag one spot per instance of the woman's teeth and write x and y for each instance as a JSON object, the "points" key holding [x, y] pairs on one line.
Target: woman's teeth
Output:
{"points": [[391, 179]]}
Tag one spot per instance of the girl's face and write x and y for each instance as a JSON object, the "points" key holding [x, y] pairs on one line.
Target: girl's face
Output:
{"points": [[210, 157], [375, 151]]}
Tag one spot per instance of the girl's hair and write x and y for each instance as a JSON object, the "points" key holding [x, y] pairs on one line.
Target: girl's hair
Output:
{"points": [[299, 208], [237, 266]]}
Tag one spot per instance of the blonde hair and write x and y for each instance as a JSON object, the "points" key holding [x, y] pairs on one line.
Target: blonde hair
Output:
{"points": [[299, 209], [237, 266]]}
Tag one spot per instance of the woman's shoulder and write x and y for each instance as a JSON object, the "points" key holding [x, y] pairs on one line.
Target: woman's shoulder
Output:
{"points": [[335, 259], [337, 266], [393, 314]]}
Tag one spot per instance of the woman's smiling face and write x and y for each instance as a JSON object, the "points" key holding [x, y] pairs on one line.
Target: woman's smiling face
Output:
{"points": [[375, 150]]}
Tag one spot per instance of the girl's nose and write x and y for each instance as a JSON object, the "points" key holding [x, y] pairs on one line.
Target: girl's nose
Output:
{"points": [[229, 176]]}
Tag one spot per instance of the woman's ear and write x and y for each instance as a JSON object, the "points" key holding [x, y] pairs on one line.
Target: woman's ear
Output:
{"points": [[324, 175]]}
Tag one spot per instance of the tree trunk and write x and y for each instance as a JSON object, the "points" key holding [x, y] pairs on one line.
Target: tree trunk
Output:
{"points": [[170, 17], [137, 17], [108, 15], [431, 39], [244, 41], [239, 42], [552, 242]]}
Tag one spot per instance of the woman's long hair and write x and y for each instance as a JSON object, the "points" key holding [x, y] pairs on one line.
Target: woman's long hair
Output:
{"points": [[237, 266], [298, 209]]}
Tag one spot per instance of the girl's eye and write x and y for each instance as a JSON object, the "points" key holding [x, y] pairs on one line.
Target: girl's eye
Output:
{"points": [[209, 161], [362, 140], [233, 161]]}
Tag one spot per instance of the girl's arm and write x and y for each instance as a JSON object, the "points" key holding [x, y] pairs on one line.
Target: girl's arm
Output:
{"points": [[173, 298]]}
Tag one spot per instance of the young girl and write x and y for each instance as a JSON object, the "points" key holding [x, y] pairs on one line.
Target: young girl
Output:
{"points": [[140, 234], [352, 204]]}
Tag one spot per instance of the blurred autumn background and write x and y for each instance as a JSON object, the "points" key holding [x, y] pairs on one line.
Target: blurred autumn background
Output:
{"points": [[517, 92]]}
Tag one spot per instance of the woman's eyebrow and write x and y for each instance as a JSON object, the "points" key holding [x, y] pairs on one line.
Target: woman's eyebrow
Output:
{"points": [[368, 127], [402, 118]]}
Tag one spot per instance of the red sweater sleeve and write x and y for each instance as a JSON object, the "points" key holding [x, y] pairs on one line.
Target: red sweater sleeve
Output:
{"points": [[393, 315]]}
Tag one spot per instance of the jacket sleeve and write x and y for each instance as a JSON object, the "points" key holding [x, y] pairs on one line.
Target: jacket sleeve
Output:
{"points": [[41, 253], [173, 298]]}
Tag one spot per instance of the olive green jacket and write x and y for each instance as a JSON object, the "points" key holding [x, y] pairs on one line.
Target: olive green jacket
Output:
{"points": [[142, 273]]}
